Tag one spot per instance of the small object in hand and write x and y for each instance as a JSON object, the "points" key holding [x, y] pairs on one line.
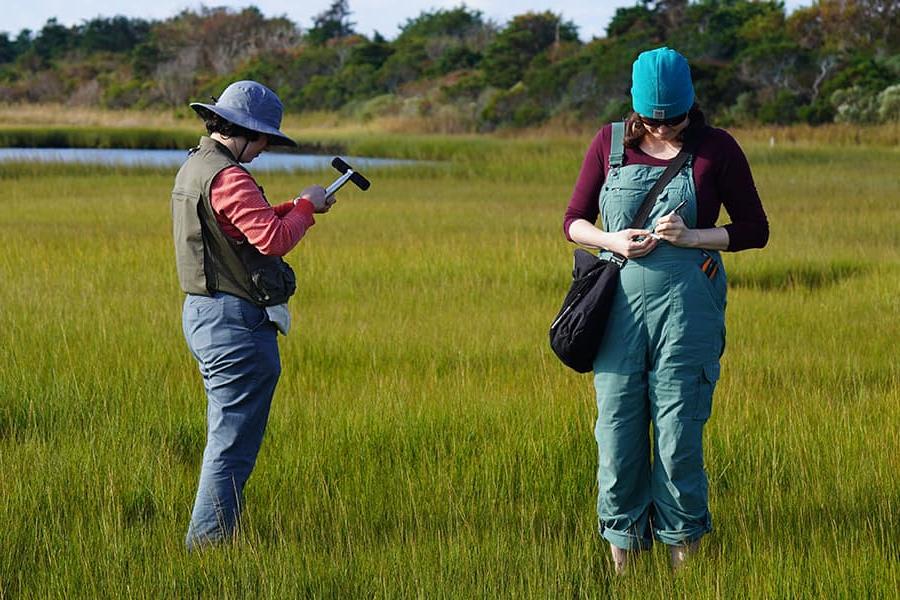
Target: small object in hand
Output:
{"points": [[681, 205]]}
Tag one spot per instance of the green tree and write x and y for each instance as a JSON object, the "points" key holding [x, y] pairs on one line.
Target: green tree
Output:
{"points": [[144, 59], [374, 53], [53, 40], [8, 51], [331, 24], [638, 18], [455, 58], [452, 39], [118, 34], [507, 58], [408, 62], [457, 22]]}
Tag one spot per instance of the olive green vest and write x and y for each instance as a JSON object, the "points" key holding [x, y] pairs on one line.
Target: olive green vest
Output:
{"points": [[207, 259]]}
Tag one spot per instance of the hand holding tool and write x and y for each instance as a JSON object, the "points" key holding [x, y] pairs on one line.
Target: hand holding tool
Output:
{"points": [[681, 205]]}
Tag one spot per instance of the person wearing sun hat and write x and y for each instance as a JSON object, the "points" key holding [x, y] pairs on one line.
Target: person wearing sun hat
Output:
{"points": [[229, 243], [658, 361]]}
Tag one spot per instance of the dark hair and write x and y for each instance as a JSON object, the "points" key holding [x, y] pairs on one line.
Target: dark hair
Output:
{"points": [[635, 130], [216, 124]]}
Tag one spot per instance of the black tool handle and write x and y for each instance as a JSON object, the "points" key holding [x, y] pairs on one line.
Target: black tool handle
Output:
{"points": [[355, 177]]}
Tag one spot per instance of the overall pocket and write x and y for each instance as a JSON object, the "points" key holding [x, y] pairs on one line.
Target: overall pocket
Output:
{"points": [[714, 281], [709, 375]]}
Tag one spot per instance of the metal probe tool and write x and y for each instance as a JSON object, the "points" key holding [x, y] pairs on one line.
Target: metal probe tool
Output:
{"points": [[655, 236], [347, 174]]}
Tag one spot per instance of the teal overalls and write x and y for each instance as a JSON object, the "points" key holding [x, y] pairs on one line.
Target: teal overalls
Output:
{"points": [[658, 363]]}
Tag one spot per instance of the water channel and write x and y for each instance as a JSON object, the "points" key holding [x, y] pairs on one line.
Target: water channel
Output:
{"points": [[267, 161]]}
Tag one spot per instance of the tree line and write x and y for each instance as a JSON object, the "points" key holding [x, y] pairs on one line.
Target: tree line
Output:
{"points": [[834, 61]]}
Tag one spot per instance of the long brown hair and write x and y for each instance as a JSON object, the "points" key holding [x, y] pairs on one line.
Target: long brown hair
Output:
{"points": [[635, 130]]}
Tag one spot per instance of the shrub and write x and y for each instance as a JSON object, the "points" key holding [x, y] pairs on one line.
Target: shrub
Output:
{"points": [[855, 105], [781, 110], [817, 113], [889, 104]]}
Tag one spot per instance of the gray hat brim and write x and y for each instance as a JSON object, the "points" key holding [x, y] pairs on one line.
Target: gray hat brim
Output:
{"points": [[276, 137]]}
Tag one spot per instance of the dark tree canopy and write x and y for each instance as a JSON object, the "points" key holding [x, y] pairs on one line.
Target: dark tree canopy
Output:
{"points": [[456, 22], [835, 60], [331, 24]]}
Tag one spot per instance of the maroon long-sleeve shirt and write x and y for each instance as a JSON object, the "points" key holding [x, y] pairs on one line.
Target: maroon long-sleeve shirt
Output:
{"points": [[721, 177]]}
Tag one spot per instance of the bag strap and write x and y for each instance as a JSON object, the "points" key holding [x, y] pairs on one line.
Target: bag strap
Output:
{"points": [[686, 152]]}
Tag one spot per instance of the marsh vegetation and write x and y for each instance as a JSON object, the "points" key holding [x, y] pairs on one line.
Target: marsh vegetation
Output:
{"points": [[424, 441]]}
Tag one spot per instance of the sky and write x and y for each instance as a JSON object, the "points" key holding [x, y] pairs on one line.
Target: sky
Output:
{"points": [[591, 16]]}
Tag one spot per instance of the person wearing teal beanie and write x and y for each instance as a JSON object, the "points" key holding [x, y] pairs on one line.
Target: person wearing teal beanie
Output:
{"points": [[661, 86], [658, 361]]}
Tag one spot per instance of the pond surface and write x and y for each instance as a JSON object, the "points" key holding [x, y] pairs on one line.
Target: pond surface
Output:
{"points": [[267, 161]]}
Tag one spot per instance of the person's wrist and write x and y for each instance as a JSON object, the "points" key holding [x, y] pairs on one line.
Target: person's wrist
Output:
{"points": [[304, 204], [604, 240]]}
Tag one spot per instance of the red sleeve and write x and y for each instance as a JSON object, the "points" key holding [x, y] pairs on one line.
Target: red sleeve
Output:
{"points": [[584, 202], [238, 201], [284, 208]]}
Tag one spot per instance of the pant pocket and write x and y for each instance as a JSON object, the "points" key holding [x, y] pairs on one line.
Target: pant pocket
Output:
{"points": [[709, 375], [253, 316], [201, 315]]}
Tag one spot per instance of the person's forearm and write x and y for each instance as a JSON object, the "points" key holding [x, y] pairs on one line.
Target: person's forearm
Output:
{"points": [[587, 234], [715, 238]]}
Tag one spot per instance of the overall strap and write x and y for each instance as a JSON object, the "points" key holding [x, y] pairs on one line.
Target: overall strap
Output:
{"points": [[673, 167], [616, 145]]}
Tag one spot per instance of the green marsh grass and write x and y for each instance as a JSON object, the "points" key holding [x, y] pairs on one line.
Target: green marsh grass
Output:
{"points": [[95, 137], [423, 441]]}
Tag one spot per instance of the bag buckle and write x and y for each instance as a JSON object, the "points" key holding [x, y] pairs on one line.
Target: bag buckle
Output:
{"points": [[618, 260]]}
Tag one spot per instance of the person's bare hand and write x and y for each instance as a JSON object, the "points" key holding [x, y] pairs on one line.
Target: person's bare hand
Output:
{"points": [[631, 243], [316, 196], [672, 229]]}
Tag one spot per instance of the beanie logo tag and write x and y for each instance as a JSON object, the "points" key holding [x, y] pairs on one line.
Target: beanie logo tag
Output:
{"points": [[659, 113]]}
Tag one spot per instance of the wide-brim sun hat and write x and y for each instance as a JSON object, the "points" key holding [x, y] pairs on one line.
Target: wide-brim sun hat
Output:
{"points": [[661, 86], [252, 106]]}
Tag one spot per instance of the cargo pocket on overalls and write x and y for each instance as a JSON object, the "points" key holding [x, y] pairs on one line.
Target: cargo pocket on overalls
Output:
{"points": [[709, 375]]}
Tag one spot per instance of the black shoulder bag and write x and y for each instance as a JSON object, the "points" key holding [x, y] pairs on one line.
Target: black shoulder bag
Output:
{"points": [[577, 330]]}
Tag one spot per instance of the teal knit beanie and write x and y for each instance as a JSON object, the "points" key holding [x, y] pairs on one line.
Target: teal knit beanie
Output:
{"points": [[661, 85]]}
